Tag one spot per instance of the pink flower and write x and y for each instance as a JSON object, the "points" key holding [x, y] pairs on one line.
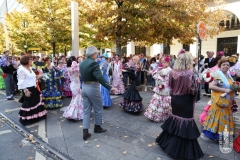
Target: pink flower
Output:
{"points": [[220, 53], [181, 51]]}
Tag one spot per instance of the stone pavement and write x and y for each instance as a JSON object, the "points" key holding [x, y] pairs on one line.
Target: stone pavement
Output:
{"points": [[129, 136]]}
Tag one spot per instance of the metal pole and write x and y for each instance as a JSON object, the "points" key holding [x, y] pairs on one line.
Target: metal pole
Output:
{"points": [[199, 51]]}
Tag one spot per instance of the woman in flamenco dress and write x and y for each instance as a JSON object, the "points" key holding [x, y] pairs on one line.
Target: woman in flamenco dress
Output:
{"points": [[75, 108], [51, 96], [160, 105], [132, 101], [180, 132], [106, 99]]}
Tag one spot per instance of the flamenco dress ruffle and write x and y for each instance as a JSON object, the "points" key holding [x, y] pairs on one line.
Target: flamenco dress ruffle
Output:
{"points": [[180, 132], [132, 101], [52, 98], [32, 109], [159, 108]]}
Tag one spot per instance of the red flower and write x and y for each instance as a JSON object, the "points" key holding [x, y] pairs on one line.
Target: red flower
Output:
{"points": [[208, 75], [36, 72], [162, 87]]}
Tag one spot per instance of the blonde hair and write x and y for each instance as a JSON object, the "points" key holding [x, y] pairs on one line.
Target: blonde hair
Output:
{"points": [[184, 61], [137, 59]]}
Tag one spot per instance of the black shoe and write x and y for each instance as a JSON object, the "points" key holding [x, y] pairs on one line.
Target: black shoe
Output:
{"points": [[10, 98], [86, 135], [99, 129]]}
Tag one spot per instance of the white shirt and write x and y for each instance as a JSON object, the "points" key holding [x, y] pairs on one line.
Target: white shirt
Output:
{"points": [[154, 66], [25, 78]]}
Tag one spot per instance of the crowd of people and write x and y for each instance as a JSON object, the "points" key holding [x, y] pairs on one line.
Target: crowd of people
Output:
{"points": [[176, 82]]}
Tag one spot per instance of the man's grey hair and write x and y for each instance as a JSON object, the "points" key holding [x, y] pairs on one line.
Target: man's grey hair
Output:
{"points": [[91, 50], [211, 52]]}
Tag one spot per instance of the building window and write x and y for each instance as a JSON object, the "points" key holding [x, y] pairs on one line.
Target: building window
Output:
{"points": [[124, 51], [166, 49], [186, 47], [227, 45], [140, 50], [231, 24]]}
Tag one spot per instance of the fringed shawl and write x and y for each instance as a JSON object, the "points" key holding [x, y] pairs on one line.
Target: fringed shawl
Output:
{"points": [[180, 81]]}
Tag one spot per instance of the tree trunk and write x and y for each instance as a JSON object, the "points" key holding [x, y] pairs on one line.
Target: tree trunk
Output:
{"points": [[118, 49], [119, 31], [65, 51], [54, 48]]}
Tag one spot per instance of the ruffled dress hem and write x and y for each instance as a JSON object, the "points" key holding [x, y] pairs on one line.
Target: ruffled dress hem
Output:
{"points": [[179, 138]]}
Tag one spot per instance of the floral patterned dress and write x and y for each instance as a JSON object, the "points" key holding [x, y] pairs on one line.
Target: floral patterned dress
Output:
{"points": [[218, 117], [160, 105], [117, 77], [66, 84], [51, 96], [75, 108]]}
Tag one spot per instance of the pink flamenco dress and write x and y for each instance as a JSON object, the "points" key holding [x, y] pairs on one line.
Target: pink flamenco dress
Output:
{"points": [[203, 115], [207, 76], [66, 84], [117, 77], [160, 105], [75, 108]]}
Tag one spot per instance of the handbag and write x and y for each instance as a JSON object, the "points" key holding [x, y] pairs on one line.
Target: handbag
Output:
{"points": [[41, 84], [222, 102]]}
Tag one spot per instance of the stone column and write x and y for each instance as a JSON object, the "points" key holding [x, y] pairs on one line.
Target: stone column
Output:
{"points": [[130, 48], [75, 29], [193, 49]]}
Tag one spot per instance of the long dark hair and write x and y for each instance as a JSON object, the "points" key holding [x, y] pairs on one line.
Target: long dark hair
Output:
{"points": [[70, 60], [215, 60]]}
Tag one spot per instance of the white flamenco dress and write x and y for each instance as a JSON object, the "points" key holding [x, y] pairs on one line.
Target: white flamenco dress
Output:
{"points": [[75, 108], [160, 105]]}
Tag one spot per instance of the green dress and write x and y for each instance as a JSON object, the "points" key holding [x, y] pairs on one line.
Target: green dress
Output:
{"points": [[2, 83]]}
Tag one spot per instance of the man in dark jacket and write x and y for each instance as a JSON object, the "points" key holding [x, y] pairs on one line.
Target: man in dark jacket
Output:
{"points": [[8, 65], [210, 63], [92, 78]]}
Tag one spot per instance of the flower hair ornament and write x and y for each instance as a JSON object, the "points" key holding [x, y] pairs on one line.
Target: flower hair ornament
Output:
{"points": [[181, 51], [166, 59], [220, 53]]}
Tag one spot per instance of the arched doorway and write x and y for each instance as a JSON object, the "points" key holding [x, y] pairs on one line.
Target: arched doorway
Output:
{"points": [[229, 44]]}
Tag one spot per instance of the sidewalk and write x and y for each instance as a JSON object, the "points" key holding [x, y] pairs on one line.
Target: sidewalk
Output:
{"points": [[129, 136]]}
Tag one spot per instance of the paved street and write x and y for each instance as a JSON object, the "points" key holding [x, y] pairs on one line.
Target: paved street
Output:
{"points": [[129, 136]]}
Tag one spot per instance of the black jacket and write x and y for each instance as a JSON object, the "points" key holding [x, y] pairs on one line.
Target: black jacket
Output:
{"points": [[210, 64], [8, 69]]}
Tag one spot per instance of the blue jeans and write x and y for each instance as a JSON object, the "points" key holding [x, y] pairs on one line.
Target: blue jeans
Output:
{"points": [[9, 85]]}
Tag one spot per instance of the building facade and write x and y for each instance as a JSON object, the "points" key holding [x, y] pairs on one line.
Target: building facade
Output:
{"points": [[227, 41]]}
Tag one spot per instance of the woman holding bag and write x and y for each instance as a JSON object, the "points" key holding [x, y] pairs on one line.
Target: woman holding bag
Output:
{"points": [[222, 98]]}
